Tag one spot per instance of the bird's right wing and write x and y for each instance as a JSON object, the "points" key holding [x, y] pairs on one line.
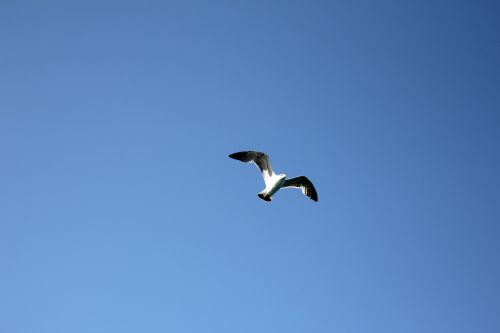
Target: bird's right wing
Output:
{"points": [[304, 184], [261, 160]]}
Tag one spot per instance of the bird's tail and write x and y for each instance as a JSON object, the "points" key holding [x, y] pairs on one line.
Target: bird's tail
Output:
{"points": [[264, 197]]}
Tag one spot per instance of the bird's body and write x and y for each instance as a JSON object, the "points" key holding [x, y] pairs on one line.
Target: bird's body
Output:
{"points": [[272, 186], [274, 182]]}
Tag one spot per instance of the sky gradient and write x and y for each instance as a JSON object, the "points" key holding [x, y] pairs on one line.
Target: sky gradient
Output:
{"points": [[121, 212]]}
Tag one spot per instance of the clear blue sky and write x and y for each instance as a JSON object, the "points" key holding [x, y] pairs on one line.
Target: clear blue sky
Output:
{"points": [[121, 212]]}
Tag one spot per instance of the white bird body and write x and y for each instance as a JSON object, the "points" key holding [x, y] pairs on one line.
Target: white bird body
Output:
{"points": [[273, 184], [273, 181]]}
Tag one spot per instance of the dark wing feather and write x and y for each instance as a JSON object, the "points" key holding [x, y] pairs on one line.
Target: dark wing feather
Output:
{"points": [[260, 159], [304, 184]]}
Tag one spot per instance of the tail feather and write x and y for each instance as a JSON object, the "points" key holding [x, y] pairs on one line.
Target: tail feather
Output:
{"points": [[264, 197]]}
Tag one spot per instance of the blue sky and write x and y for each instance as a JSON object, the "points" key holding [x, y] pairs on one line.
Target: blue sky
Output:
{"points": [[121, 212]]}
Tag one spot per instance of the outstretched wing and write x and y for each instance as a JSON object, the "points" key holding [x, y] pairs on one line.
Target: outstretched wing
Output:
{"points": [[261, 160], [304, 184]]}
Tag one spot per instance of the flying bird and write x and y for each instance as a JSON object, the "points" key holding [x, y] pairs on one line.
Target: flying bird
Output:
{"points": [[273, 181]]}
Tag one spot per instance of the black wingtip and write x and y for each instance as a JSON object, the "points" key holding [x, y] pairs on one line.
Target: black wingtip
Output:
{"points": [[240, 156], [314, 195]]}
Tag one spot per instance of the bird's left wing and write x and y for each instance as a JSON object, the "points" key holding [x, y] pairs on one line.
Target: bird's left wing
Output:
{"points": [[261, 160]]}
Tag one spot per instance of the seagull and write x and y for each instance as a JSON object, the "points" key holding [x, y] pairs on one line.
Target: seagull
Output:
{"points": [[273, 181]]}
